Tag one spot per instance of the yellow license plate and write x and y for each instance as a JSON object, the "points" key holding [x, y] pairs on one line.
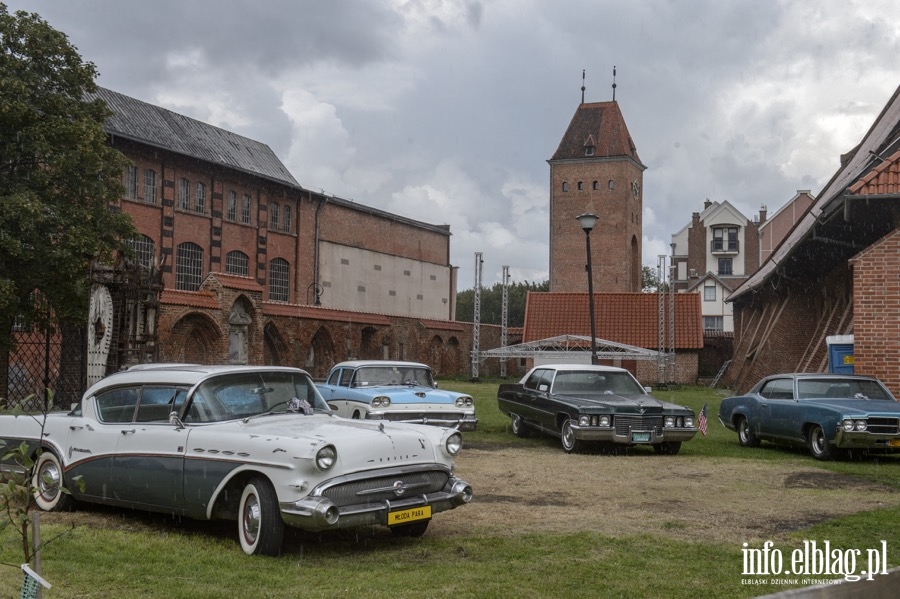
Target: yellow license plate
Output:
{"points": [[894, 443], [410, 515]]}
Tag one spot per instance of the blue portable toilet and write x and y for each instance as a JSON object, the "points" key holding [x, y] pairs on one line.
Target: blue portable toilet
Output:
{"points": [[840, 354]]}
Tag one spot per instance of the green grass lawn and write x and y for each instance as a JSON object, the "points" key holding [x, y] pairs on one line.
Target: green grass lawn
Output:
{"points": [[117, 553]]}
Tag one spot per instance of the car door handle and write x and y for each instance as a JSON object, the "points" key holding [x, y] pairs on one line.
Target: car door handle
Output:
{"points": [[75, 428], [125, 432]]}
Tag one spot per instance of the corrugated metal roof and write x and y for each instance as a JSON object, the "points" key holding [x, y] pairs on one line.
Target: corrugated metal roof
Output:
{"points": [[139, 121]]}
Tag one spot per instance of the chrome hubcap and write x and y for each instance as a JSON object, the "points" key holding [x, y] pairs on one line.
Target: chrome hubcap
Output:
{"points": [[48, 480], [251, 519]]}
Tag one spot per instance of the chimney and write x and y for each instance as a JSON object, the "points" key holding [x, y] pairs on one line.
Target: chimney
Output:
{"points": [[695, 220], [763, 211], [707, 203]]}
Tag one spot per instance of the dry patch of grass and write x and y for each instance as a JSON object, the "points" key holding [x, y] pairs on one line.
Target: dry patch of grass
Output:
{"points": [[681, 497]]}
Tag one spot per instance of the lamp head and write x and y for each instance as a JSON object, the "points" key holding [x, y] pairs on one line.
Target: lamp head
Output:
{"points": [[587, 221]]}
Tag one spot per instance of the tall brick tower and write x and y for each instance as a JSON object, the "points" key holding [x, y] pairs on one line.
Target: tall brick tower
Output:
{"points": [[596, 169]]}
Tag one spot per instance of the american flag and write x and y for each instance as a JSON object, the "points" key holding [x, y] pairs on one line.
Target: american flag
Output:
{"points": [[701, 421]]}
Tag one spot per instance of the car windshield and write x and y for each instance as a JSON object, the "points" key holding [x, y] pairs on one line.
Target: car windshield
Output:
{"points": [[246, 394], [842, 389], [588, 382], [376, 376]]}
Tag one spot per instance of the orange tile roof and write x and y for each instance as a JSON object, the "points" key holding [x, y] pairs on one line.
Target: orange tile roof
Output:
{"points": [[237, 282], [318, 312], [883, 179], [630, 318], [195, 299]]}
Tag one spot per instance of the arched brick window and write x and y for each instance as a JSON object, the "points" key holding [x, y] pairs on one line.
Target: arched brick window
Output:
{"points": [[188, 267]]}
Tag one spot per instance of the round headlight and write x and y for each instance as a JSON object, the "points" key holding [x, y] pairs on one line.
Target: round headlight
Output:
{"points": [[326, 457], [861, 425], [584, 421], [460, 402], [454, 443], [689, 421], [469, 402], [604, 421], [670, 421], [381, 402], [847, 425]]}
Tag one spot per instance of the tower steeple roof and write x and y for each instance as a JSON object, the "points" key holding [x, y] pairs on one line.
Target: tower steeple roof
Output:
{"points": [[597, 130]]}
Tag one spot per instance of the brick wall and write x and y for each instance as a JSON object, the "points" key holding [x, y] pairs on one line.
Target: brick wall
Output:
{"points": [[876, 311], [616, 239]]}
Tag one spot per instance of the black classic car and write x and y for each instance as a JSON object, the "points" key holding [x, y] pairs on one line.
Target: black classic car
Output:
{"points": [[582, 404]]}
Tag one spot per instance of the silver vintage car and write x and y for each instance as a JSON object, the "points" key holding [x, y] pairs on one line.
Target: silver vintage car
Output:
{"points": [[257, 445]]}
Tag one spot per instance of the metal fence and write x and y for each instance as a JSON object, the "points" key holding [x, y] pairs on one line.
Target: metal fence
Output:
{"points": [[44, 366]]}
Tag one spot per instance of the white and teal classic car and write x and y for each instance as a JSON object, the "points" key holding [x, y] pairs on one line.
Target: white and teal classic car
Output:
{"points": [[395, 390], [257, 445]]}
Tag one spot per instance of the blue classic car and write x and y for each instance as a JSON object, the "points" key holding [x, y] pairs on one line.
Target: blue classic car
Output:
{"points": [[583, 404], [828, 413], [397, 391]]}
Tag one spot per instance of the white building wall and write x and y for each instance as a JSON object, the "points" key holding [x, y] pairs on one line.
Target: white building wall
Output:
{"points": [[361, 280]]}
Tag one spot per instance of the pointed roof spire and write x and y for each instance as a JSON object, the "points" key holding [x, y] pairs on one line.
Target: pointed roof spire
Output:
{"points": [[614, 85], [582, 86]]}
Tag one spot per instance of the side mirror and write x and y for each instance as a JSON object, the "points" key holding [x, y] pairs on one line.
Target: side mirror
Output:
{"points": [[648, 389], [175, 421], [543, 387]]}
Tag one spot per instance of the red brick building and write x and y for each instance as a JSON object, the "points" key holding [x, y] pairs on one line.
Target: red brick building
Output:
{"points": [[836, 273], [257, 269], [596, 169]]}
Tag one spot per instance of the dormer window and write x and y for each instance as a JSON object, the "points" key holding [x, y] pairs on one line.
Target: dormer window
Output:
{"points": [[588, 150]]}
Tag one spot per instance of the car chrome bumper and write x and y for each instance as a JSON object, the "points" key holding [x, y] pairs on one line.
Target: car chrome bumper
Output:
{"points": [[463, 422], [635, 437], [316, 513], [866, 440]]}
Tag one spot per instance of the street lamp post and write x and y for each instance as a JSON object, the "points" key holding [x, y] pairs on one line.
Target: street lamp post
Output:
{"points": [[587, 222]]}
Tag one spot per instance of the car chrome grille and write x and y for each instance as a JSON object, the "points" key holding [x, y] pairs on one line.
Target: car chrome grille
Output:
{"points": [[420, 416], [884, 426], [376, 490], [626, 423]]}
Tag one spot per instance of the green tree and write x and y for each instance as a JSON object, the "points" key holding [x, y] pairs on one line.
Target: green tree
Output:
{"points": [[59, 180], [492, 303]]}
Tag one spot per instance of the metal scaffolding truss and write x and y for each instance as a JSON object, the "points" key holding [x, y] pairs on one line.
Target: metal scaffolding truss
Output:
{"points": [[552, 347]]}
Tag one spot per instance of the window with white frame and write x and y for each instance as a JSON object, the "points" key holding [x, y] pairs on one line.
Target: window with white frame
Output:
{"points": [[150, 186], [245, 209], [287, 217], [709, 293], [724, 266], [231, 207], [279, 280], [144, 250], [188, 266], [184, 194], [131, 182], [200, 199], [237, 263], [274, 216], [712, 323]]}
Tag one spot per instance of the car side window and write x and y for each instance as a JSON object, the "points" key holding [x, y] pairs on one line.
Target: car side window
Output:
{"points": [[118, 405], [778, 389], [535, 379], [157, 403], [334, 377], [346, 376]]}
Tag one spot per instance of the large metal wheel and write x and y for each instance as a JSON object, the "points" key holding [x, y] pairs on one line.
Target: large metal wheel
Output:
{"points": [[518, 426], [746, 436], [818, 444], [569, 442], [260, 526], [48, 483]]}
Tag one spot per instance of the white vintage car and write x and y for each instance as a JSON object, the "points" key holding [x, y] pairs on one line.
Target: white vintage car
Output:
{"points": [[395, 390], [257, 445]]}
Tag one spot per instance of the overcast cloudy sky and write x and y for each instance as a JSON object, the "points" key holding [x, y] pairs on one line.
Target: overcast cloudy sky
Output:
{"points": [[446, 111]]}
